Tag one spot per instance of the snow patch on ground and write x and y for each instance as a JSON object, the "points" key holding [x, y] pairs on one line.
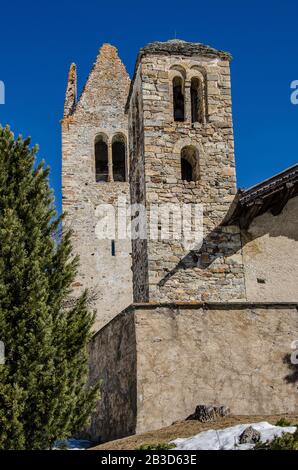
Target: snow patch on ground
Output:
{"points": [[228, 438], [72, 444]]}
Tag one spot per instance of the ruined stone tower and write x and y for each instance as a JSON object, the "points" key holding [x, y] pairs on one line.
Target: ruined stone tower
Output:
{"points": [[182, 151], [95, 171]]}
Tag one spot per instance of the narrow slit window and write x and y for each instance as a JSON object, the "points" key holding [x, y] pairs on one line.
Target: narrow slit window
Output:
{"points": [[113, 248]]}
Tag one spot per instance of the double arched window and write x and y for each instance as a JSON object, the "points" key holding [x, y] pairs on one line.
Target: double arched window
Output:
{"points": [[110, 158], [188, 91]]}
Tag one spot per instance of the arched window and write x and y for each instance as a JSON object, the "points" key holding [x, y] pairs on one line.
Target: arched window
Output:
{"points": [[189, 163], [101, 158], [186, 170], [196, 97], [119, 157], [178, 99]]}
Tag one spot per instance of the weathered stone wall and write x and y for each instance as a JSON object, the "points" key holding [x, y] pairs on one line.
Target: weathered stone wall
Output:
{"points": [[216, 271], [235, 354], [100, 110], [138, 189], [270, 252], [113, 361]]}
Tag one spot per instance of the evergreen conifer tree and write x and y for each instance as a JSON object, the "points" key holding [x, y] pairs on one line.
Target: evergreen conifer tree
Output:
{"points": [[43, 383]]}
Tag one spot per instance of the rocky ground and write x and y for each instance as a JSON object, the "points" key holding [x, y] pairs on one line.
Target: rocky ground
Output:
{"points": [[189, 428]]}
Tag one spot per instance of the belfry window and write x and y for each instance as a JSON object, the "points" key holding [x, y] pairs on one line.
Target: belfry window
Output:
{"points": [[196, 97], [186, 170], [178, 99], [119, 157], [101, 158], [189, 163]]}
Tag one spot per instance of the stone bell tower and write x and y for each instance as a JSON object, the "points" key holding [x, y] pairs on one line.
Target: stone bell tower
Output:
{"points": [[182, 152], [95, 171]]}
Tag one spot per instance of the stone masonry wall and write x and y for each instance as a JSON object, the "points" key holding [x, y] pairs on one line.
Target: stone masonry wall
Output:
{"points": [[158, 361], [235, 355], [100, 110], [138, 190], [113, 361], [215, 272]]}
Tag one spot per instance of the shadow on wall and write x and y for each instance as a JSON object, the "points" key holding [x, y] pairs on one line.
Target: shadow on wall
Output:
{"points": [[221, 244], [292, 377], [284, 224], [217, 244]]}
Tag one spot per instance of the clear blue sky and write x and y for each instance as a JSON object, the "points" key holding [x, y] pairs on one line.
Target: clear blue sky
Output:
{"points": [[40, 39]]}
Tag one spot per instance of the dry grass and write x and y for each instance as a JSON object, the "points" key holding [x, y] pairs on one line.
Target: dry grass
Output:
{"points": [[187, 429]]}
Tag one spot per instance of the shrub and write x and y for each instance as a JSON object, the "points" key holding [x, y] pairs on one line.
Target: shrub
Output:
{"points": [[287, 441], [159, 446], [43, 383], [283, 422]]}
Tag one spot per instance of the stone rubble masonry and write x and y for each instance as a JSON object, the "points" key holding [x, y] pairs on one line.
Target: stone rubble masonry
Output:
{"points": [[100, 109], [113, 361], [71, 91], [164, 270], [157, 362], [230, 266]]}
